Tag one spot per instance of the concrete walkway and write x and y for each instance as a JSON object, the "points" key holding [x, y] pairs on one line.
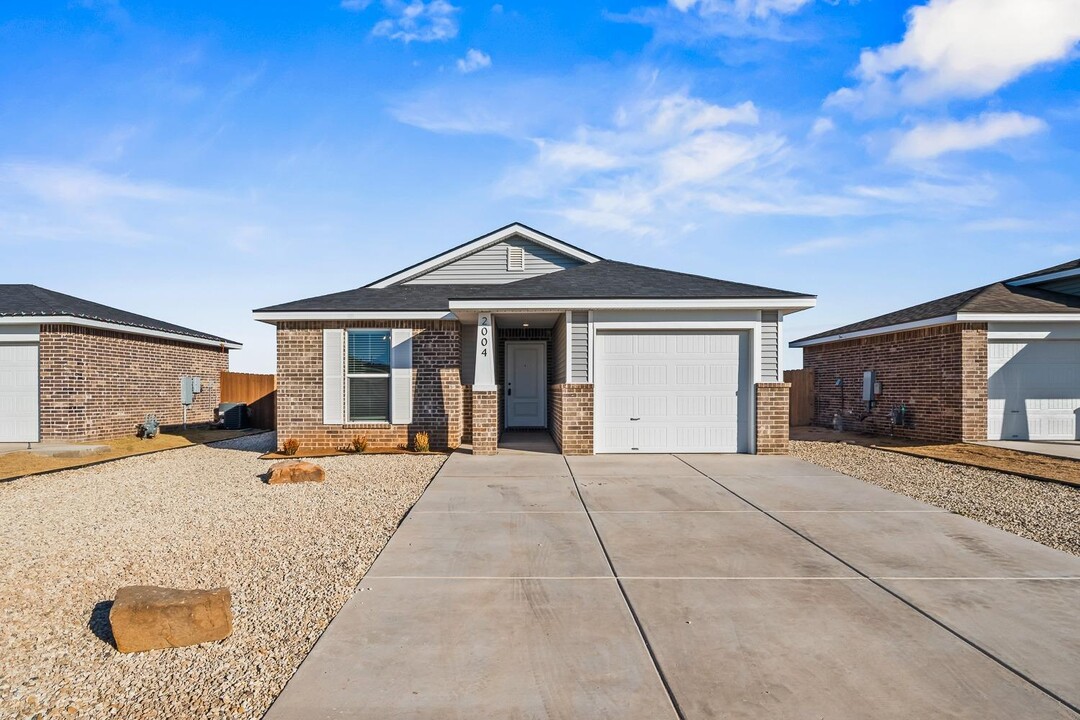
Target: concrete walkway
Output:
{"points": [[536, 586]]}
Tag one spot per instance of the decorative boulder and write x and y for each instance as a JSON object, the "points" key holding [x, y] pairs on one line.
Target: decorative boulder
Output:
{"points": [[144, 617], [294, 471]]}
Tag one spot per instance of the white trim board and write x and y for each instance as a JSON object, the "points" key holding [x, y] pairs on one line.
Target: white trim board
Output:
{"points": [[1060, 275], [943, 320], [479, 244], [541, 305], [271, 317], [114, 327]]}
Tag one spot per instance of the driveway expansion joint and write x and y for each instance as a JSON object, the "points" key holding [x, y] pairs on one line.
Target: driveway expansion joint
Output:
{"points": [[971, 643], [626, 600]]}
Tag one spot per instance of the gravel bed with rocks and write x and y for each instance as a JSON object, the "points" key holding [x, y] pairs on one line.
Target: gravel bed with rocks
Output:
{"points": [[200, 517], [1046, 512]]}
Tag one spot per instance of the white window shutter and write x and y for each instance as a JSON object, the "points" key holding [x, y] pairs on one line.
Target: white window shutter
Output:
{"points": [[401, 376], [333, 367]]}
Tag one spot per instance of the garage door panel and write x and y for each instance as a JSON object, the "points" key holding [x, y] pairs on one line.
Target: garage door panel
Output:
{"points": [[18, 393], [1033, 390], [690, 374], [685, 391]]}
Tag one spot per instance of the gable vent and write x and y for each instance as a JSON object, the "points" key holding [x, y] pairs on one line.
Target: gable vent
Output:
{"points": [[515, 259]]}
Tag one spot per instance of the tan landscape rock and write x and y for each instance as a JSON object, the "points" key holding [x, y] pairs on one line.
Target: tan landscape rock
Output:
{"points": [[144, 617], [295, 471]]}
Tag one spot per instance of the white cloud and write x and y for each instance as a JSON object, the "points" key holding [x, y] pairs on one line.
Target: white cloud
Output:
{"points": [[418, 21], [822, 126], [812, 247], [964, 48], [931, 140], [656, 155], [740, 8], [474, 60]]}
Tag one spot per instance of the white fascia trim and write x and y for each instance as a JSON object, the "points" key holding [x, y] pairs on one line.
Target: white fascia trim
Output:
{"points": [[480, 243], [1060, 275], [115, 327], [1018, 317], [787, 304], [271, 317], [943, 320]]}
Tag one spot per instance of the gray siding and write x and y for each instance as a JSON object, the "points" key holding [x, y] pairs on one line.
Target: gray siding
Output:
{"points": [[558, 352], [488, 266], [468, 354], [579, 347], [770, 346], [1069, 286]]}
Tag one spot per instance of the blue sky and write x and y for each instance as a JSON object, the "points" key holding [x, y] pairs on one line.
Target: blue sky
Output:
{"points": [[193, 161]]}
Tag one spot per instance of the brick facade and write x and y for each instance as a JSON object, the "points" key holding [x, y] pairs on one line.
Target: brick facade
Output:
{"points": [[98, 384], [571, 414], [772, 418], [437, 390], [485, 419], [466, 413], [939, 373]]}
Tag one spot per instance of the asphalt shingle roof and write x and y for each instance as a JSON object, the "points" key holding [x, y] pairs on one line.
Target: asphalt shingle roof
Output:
{"points": [[999, 297], [33, 301], [598, 280]]}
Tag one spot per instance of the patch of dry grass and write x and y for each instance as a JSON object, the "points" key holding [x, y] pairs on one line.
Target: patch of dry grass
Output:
{"points": [[19, 464]]}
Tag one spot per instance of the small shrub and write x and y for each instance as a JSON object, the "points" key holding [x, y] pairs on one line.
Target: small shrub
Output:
{"points": [[290, 446], [358, 444], [421, 442]]}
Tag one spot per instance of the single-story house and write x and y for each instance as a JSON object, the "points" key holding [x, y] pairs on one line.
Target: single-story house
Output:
{"points": [[519, 330], [72, 370], [999, 362]]}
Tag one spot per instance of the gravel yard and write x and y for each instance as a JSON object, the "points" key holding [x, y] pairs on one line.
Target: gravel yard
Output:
{"points": [[196, 517], [1043, 511]]}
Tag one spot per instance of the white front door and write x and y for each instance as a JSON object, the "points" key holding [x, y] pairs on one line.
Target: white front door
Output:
{"points": [[18, 393], [1033, 390], [526, 385], [672, 391]]}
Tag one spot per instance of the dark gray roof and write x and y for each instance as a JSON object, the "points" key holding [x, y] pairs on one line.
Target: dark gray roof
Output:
{"points": [[592, 281], [33, 301], [999, 297]]}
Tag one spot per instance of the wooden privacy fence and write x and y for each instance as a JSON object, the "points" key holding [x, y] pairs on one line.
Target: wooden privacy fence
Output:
{"points": [[258, 391], [802, 396]]}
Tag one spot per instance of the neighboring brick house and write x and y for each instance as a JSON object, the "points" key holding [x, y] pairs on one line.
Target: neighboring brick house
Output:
{"points": [[73, 370], [999, 362], [519, 330]]}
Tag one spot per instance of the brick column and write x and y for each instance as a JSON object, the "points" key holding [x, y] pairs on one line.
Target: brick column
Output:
{"points": [[485, 422], [772, 418], [572, 422]]}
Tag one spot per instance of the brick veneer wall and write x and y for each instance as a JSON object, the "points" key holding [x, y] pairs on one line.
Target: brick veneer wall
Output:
{"points": [[485, 422], [98, 384], [466, 413], [437, 394], [938, 372], [572, 418], [772, 418]]}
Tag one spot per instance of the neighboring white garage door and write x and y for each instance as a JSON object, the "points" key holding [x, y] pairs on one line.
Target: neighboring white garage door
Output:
{"points": [[668, 391], [1034, 390], [18, 393]]}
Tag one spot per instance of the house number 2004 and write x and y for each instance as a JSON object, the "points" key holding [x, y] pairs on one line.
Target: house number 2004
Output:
{"points": [[483, 336]]}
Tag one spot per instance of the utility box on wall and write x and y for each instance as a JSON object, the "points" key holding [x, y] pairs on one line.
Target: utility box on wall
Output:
{"points": [[871, 388]]}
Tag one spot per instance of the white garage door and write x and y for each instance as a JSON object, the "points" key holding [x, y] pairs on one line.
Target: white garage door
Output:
{"points": [[1034, 390], [18, 393], [671, 391]]}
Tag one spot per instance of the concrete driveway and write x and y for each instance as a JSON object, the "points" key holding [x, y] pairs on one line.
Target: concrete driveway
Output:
{"points": [[537, 586]]}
